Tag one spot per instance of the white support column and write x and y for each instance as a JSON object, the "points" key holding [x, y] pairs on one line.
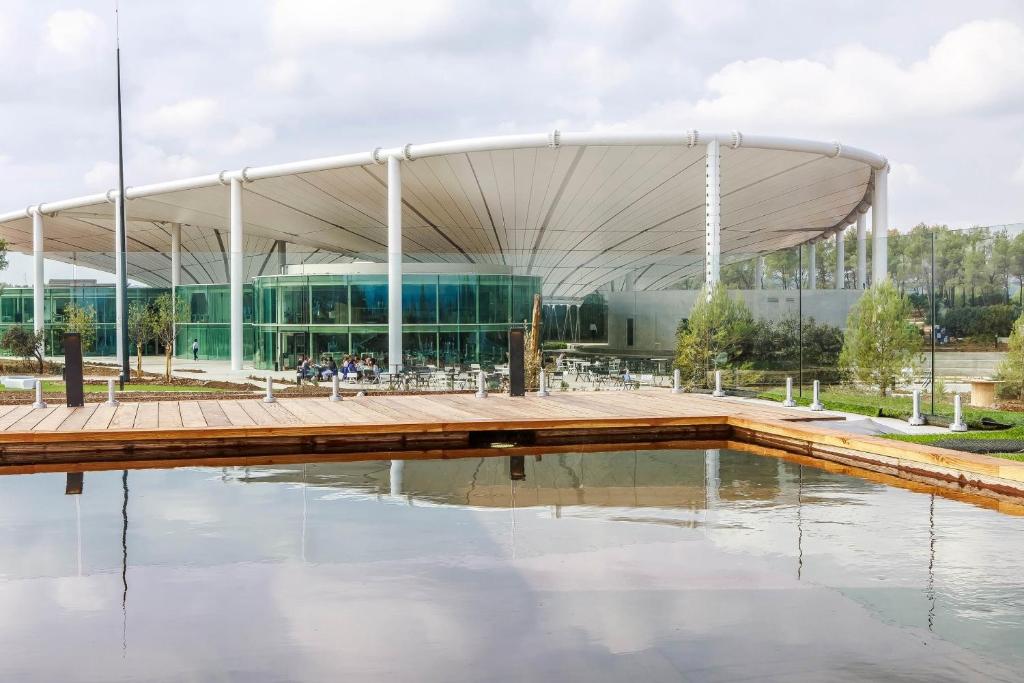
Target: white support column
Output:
{"points": [[862, 251], [759, 273], [394, 264], [175, 267], [38, 306], [712, 215], [880, 227], [237, 273], [840, 259], [812, 265]]}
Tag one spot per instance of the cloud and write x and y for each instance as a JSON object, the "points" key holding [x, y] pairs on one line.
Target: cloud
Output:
{"points": [[143, 164], [1018, 175], [74, 32], [182, 119], [301, 24], [249, 136], [975, 67], [283, 75]]}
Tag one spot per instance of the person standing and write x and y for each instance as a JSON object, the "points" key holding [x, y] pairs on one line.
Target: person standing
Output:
{"points": [[195, 349]]}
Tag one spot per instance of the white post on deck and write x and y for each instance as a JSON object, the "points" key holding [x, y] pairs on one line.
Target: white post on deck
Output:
{"points": [[237, 273], [38, 307], [816, 404], [789, 402], [335, 394], [880, 226], [39, 402], [812, 265], [915, 416], [840, 259], [677, 387], [712, 216], [111, 396], [862, 251], [718, 384], [394, 264], [543, 391], [481, 385], [269, 397], [958, 424]]}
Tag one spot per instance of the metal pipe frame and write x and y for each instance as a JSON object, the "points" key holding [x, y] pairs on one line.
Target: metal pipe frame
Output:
{"points": [[394, 264], [237, 273]]}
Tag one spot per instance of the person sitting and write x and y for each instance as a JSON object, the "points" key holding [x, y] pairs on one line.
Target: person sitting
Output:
{"points": [[302, 368], [351, 369], [329, 368]]}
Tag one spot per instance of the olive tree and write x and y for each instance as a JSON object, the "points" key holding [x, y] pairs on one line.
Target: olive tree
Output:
{"points": [[141, 329], [167, 310], [81, 320], [1011, 369], [713, 335], [879, 340], [24, 343]]}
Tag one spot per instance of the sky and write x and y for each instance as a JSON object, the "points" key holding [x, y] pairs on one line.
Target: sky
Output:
{"points": [[937, 86]]}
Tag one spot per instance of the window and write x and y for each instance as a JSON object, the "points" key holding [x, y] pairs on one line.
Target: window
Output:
{"points": [[629, 331], [495, 298], [329, 304], [419, 299], [369, 296]]}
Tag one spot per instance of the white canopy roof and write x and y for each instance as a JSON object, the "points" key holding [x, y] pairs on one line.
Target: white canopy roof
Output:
{"points": [[577, 209]]}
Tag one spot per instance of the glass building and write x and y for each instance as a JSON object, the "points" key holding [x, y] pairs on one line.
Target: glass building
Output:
{"points": [[449, 318]]}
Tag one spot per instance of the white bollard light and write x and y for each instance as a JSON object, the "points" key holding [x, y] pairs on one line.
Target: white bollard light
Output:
{"points": [[40, 403], [111, 400], [269, 398], [718, 384], [335, 396], [915, 415], [958, 424], [543, 391], [481, 385], [816, 404], [677, 387], [789, 402]]}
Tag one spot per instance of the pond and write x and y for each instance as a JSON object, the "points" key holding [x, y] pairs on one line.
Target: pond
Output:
{"points": [[628, 565]]}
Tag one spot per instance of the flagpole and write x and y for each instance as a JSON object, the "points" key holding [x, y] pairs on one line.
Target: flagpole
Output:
{"points": [[121, 255]]}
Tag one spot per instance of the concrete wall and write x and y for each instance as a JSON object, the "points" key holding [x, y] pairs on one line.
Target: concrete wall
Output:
{"points": [[657, 314]]}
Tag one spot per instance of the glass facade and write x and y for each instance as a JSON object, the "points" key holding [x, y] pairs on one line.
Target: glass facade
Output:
{"points": [[447, 319]]}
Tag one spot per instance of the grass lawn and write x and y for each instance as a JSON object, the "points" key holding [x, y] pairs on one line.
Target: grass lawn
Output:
{"points": [[899, 407], [58, 387]]}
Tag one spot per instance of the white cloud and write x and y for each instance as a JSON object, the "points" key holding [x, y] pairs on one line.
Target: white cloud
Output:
{"points": [[74, 32], [143, 164], [906, 174], [976, 66], [1018, 175], [283, 75], [249, 136], [300, 24], [183, 119]]}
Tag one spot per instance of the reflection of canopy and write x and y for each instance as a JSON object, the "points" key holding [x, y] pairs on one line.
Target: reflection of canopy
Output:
{"points": [[667, 478], [577, 209]]}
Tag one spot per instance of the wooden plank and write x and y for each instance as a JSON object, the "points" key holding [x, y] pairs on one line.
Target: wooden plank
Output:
{"points": [[12, 417], [147, 417], [44, 420], [236, 416], [124, 416], [168, 415], [191, 414], [101, 417], [213, 413], [79, 416]]}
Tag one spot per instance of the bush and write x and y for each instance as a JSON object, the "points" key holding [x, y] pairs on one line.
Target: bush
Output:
{"points": [[25, 343], [980, 321], [1011, 370], [879, 342], [715, 335]]}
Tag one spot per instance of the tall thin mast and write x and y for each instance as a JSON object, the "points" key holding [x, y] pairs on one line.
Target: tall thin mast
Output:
{"points": [[122, 246]]}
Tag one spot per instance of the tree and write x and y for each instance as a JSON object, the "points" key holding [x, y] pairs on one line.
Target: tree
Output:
{"points": [[1011, 370], [22, 342], [141, 329], [880, 341], [81, 320], [713, 335], [531, 340], [166, 310]]}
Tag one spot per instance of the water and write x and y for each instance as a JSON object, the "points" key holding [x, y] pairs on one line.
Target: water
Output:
{"points": [[645, 566]]}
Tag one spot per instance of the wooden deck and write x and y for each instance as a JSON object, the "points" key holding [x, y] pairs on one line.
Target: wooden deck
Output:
{"points": [[448, 425]]}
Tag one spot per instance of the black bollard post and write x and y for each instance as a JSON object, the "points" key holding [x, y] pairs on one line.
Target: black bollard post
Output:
{"points": [[516, 362], [73, 385]]}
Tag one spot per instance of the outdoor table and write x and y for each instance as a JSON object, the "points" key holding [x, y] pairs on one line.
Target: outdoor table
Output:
{"points": [[983, 393]]}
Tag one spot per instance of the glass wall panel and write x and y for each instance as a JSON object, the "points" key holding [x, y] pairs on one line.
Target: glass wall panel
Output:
{"points": [[268, 304], [373, 343], [331, 344], [295, 305], [369, 297], [494, 299], [420, 348], [493, 347], [419, 299], [522, 299], [329, 304], [199, 311], [457, 299], [469, 346]]}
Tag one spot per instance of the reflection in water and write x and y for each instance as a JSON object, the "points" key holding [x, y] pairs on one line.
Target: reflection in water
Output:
{"points": [[653, 565]]}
